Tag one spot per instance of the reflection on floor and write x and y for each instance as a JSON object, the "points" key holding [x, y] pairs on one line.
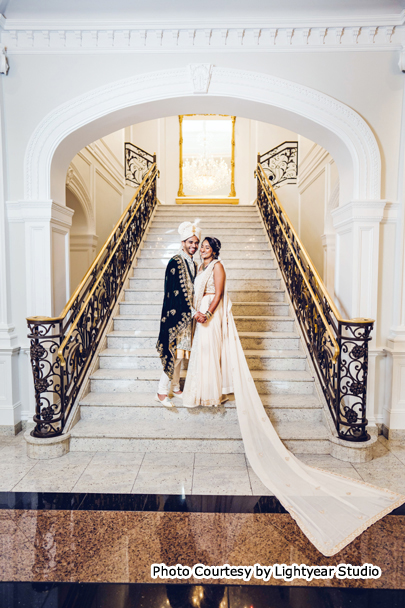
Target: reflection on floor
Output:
{"points": [[184, 473], [68, 595], [45, 540]]}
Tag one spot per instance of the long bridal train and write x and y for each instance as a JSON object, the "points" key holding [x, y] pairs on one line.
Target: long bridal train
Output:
{"points": [[330, 509]]}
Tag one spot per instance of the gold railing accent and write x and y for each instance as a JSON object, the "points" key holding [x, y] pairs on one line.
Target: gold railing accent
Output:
{"points": [[315, 299], [310, 263], [150, 175]]}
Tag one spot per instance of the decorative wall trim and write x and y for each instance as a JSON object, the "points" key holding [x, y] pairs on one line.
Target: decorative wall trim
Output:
{"points": [[4, 65], [354, 133], [200, 76], [83, 242], [364, 211], [77, 186], [108, 161], [310, 164], [74, 37]]}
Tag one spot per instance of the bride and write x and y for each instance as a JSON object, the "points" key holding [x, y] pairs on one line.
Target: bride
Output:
{"points": [[210, 355], [331, 510]]}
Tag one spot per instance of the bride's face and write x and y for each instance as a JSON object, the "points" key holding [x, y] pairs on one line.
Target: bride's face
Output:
{"points": [[206, 250]]}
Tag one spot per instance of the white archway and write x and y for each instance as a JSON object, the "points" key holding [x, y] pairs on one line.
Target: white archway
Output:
{"points": [[332, 124]]}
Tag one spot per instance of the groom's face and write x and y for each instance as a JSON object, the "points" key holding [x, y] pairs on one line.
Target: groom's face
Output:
{"points": [[191, 245]]}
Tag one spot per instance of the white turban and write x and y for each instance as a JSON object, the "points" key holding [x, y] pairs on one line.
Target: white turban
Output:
{"points": [[189, 229]]}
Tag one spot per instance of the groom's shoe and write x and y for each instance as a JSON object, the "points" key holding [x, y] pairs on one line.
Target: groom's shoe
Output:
{"points": [[165, 401], [178, 395]]}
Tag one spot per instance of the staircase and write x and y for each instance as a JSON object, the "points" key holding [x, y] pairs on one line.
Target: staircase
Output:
{"points": [[120, 414]]}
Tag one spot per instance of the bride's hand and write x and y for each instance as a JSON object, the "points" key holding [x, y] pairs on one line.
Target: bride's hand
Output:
{"points": [[200, 318]]}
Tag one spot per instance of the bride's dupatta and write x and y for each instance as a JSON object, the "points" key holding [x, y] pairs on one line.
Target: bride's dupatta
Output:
{"points": [[331, 510]]}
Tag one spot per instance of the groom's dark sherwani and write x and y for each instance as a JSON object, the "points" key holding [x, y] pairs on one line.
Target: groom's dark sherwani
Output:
{"points": [[174, 339]]}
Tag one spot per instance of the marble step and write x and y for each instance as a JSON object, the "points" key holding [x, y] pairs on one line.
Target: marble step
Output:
{"points": [[139, 399], [260, 323], [231, 273], [214, 436], [267, 382], [242, 295], [148, 358], [249, 264], [238, 308], [227, 254], [151, 410], [225, 238], [270, 340], [192, 212], [237, 245], [249, 221], [232, 284], [218, 231]]}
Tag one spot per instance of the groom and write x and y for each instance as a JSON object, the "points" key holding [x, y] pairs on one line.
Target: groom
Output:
{"points": [[174, 341]]}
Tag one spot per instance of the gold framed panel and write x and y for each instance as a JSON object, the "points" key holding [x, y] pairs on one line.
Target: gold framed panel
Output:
{"points": [[183, 199]]}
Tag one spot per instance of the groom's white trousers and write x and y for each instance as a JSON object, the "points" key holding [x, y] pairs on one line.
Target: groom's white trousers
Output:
{"points": [[164, 383]]}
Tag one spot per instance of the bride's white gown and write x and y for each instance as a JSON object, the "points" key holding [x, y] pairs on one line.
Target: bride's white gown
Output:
{"points": [[329, 508]]}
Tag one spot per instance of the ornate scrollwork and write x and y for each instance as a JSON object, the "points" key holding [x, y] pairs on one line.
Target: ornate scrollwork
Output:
{"points": [[57, 386], [137, 164], [281, 163], [343, 379]]}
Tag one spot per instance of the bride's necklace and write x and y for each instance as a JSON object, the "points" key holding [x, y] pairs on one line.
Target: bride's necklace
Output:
{"points": [[204, 267]]}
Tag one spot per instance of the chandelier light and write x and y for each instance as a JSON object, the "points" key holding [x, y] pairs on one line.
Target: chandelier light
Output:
{"points": [[205, 174]]}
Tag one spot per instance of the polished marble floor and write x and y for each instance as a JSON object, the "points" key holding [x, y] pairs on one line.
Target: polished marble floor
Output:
{"points": [[187, 473]]}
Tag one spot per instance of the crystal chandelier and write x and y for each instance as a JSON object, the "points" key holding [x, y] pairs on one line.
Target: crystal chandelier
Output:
{"points": [[205, 174]]}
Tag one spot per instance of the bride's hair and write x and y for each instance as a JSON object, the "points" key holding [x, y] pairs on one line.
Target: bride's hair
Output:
{"points": [[215, 245]]}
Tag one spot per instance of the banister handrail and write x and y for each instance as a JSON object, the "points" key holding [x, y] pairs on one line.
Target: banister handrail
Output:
{"points": [[310, 263], [63, 348], [151, 173], [343, 374], [316, 302]]}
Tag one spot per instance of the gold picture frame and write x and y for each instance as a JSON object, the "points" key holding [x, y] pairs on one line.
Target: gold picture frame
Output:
{"points": [[183, 199]]}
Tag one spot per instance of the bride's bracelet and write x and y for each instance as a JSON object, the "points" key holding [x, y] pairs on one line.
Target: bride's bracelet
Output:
{"points": [[208, 314]]}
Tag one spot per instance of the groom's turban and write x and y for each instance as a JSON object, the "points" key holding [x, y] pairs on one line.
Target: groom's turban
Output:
{"points": [[189, 229]]}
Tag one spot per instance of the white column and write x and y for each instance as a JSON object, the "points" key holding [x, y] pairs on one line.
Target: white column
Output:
{"points": [[395, 407], [10, 403], [39, 257], [357, 226], [46, 244]]}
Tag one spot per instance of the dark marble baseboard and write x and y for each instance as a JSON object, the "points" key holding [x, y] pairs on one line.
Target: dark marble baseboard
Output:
{"points": [[71, 501]]}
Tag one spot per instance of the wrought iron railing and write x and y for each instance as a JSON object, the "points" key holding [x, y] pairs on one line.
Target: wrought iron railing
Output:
{"points": [[338, 347], [63, 348], [137, 164], [281, 163]]}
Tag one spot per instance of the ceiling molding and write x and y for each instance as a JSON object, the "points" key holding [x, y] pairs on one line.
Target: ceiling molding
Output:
{"points": [[36, 37]]}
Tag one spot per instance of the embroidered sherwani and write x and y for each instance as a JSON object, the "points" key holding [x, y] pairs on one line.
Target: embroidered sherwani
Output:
{"points": [[174, 341]]}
